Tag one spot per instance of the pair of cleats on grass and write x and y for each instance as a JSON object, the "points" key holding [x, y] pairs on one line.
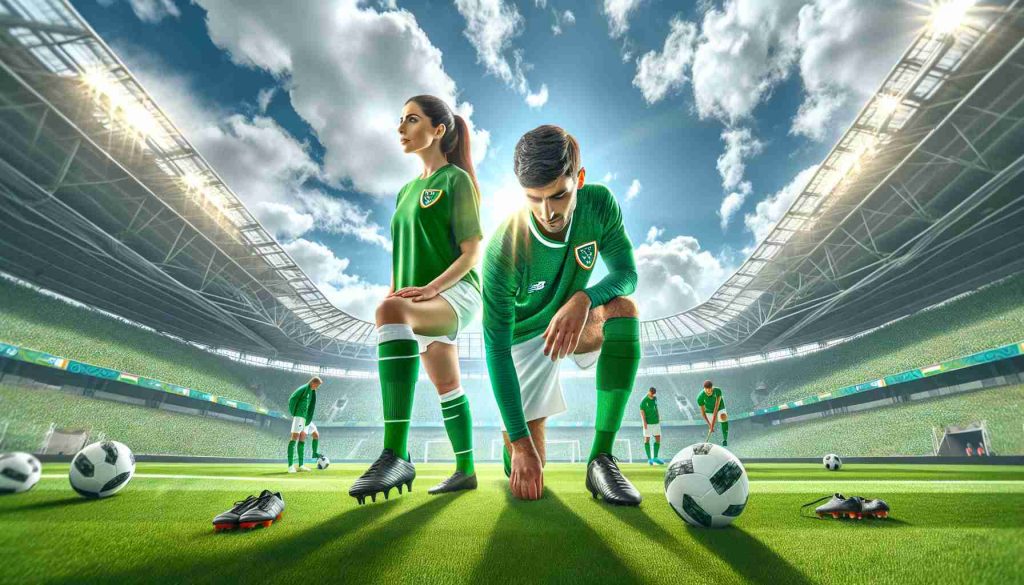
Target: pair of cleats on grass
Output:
{"points": [[655, 461], [853, 507], [253, 511], [390, 472], [298, 468]]}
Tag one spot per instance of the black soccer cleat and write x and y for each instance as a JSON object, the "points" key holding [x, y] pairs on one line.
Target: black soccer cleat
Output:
{"points": [[875, 508], [229, 520], [605, 478], [841, 507], [268, 507], [457, 482], [387, 472]]}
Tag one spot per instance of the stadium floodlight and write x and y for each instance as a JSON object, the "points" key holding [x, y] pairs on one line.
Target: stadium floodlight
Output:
{"points": [[193, 181], [888, 104], [948, 15], [122, 107]]}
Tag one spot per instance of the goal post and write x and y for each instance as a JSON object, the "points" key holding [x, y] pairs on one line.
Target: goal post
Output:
{"points": [[628, 448], [442, 456], [574, 449]]}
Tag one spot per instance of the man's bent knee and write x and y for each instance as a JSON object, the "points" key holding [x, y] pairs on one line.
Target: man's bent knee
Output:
{"points": [[295, 436], [621, 307], [302, 436], [390, 311]]}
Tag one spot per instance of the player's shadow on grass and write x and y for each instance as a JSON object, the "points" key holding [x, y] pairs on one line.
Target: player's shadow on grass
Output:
{"points": [[61, 503], [546, 542], [748, 556], [281, 558]]}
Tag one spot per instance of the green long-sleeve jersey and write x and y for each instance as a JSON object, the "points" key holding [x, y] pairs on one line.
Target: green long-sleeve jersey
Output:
{"points": [[302, 402], [529, 277]]}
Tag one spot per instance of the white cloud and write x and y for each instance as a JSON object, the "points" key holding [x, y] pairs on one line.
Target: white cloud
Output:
{"points": [[151, 11], [562, 20], [283, 221], [745, 48], [609, 177], [675, 275], [732, 202], [348, 292], [617, 12], [536, 100], [770, 209], [634, 190], [349, 68], [491, 25], [846, 49], [740, 144], [657, 74], [264, 97]]}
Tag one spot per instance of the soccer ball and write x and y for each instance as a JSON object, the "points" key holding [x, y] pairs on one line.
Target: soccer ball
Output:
{"points": [[102, 469], [19, 472], [322, 462], [706, 485], [832, 462]]}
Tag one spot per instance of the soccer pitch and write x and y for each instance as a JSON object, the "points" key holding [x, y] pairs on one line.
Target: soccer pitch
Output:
{"points": [[949, 524]]}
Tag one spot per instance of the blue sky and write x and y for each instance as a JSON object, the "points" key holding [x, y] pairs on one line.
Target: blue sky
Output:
{"points": [[704, 118]]}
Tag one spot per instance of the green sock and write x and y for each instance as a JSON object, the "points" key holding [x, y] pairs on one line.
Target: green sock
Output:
{"points": [[657, 447], [291, 453], [725, 431], [647, 449], [616, 372], [302, 451], [399, 366], [459, 424], [506, 459], [316, 454]]}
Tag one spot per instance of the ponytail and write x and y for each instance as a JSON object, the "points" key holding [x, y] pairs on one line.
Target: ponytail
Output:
{"points": [[460, 154], [455, 142]]}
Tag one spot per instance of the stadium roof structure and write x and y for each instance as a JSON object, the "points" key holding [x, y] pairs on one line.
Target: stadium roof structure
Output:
{"points": [[106, 202]]}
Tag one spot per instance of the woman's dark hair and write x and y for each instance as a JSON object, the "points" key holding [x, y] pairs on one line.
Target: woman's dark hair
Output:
{"points": [[544, 154], [455, 142]]}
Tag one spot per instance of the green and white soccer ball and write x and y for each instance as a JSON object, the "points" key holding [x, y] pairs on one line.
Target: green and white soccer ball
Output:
{"points": [[19, 472], [322, 462], [706, 485], [102, 469], [832, 462]]}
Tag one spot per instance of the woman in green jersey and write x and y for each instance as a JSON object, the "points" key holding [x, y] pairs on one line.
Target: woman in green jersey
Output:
{"points": [[435, 293]]}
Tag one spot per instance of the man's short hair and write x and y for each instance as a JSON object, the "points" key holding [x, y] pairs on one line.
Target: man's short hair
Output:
{"points": [[316, 380], [653, 389], [708, 384], [545, 154]]}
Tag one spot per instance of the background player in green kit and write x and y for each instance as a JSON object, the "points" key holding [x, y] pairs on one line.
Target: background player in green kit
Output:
{"points": [[301, 405], [651, 421], [435, 293], [707, 400], [539, 309]]}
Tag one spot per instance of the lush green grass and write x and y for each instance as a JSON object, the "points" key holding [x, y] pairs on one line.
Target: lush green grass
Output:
{"points": [[970, 530]]}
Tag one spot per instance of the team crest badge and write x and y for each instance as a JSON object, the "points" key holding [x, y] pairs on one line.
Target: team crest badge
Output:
{"points": [[429, 197], [586, 255]]}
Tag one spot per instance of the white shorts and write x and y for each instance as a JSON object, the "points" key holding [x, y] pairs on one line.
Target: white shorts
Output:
{"points": [[465, 299], [539, 385], [652, 430], [721, 413], [299, 426]]}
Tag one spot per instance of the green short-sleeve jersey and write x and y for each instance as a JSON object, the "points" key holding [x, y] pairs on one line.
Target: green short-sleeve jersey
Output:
{"points": [[302, 402], [529, 277], [708, 402], [650, 407], [432, 217]]}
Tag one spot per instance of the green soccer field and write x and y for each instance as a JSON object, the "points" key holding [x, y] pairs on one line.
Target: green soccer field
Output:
{"points": [[949, 524]]}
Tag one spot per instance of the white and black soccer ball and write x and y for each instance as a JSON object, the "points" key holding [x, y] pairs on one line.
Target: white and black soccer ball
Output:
{"points": [[102, 469], [19, 472], [322, 462], [832, 462], [706, 485]]}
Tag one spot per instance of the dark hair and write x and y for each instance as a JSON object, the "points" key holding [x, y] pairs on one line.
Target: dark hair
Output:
{"points": [[544, 154], [455, 141], [653, 389], [708, 384]]}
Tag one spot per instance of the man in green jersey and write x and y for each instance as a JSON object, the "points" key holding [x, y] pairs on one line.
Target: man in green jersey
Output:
{"points": [[652, 425], [538, 308], [301, 405], [712, 409]]}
